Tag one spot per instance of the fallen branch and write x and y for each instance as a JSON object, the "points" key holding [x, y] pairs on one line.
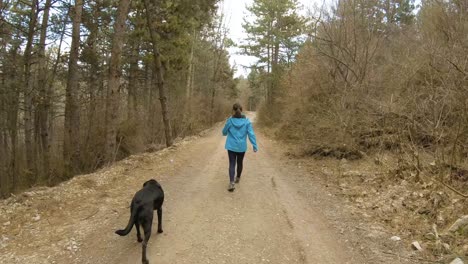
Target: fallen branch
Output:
{"points": [[93, 214], [453, 189], [446, 185], [411, 258]]}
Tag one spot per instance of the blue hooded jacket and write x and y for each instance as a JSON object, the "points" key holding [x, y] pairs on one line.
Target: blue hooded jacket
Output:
{"points": [[236, 130]]}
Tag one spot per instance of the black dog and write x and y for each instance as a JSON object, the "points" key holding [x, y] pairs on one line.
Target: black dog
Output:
{"points": [[149, 198]]}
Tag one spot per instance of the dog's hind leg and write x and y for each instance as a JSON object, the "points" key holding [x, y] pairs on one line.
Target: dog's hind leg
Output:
{"points": [[137, 225], [147, 231], [160, 230]]}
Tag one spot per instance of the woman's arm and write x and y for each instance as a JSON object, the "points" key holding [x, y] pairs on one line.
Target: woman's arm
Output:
{"points": [[226, 127], [252, 138]]}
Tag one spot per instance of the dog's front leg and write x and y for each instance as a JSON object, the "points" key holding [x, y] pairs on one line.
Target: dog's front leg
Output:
{"points": [[160, 230]]}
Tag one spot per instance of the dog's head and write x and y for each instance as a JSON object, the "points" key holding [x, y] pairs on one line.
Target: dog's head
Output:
{"points": [[152, 182]]}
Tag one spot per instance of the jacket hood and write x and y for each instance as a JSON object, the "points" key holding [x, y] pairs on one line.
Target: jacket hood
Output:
{"points": [[239, 122]]}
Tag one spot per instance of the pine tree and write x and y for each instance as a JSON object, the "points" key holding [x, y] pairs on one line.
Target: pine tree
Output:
{"points": [[274, 36]]}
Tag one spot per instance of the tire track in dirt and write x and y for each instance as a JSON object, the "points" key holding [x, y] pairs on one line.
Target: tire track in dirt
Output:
{"points": [[265, 220]]}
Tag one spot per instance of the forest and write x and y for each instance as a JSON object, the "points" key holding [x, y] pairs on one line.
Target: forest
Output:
{"points": [[85, 83], [360, 108], [364, 77], [373, 95]]}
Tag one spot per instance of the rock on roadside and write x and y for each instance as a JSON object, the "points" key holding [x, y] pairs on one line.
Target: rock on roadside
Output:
{"points": [[457, 261]]}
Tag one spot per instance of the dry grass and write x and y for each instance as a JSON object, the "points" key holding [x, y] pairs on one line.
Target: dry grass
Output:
{"points": [[386, 90]]}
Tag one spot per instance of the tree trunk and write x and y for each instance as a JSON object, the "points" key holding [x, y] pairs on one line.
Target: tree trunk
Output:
{"points": [[133, 83], [213, 88], [113, 96], [188, 87], [43, 100], [188, 84], [151, 103], [159, 75], [50, 94], [268, 82], [4, 155], [220, 39], [28, 96], [148, 93], [274, 71], [71, 143], [94, 77], [12, 121], [213, 95]]}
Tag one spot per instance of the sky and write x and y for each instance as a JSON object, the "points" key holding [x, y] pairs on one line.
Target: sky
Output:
{"points": [[234, 11]]}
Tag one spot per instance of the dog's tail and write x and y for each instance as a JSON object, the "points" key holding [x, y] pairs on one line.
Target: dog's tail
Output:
{"points": [[131, 222]]}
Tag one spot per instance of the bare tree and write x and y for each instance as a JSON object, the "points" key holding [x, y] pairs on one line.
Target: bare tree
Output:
{"points": [[42, 131], [71, 142], [219, 41], [28, 93], [159, 75], [91, 113], [113, 95]]}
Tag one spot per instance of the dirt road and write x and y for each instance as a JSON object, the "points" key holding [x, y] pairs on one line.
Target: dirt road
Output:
{"points": [[271, 217]]}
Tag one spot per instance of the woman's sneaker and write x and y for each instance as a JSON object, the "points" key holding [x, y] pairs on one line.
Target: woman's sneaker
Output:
{"points": [[237, 179], [231, 187]]}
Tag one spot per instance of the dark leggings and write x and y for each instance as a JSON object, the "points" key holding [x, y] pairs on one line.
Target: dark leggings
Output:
{"points": [[233, 157]]}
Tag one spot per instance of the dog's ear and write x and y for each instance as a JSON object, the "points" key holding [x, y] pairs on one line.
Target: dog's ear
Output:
{"points": [[152, 181], [157, 183]]}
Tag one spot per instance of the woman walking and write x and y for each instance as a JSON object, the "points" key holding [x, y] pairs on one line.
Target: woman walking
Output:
{"points": [[237, 128]]}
